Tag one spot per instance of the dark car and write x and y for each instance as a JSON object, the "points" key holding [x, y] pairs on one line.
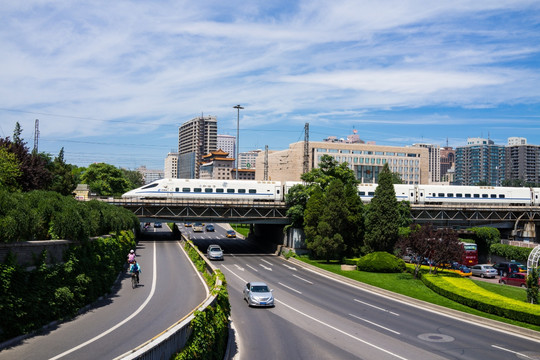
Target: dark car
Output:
{"points": [[209, 227], [505, 268], [157, 225]]}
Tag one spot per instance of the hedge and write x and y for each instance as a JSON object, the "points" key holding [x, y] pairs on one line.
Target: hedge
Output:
{"points": [[381, 262], [465, 292], [87, 272], [511, 252]]}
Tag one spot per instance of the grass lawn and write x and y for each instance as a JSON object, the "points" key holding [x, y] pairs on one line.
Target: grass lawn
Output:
{"points": [[241, 229], [405, 284]]}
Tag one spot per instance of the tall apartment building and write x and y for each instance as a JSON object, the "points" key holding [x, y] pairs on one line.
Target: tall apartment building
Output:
{"points": [[522, 161], [227, 143], [434, 156], [448, 158], [480, 161], [366, 160], [171, 165], [196, 138]]}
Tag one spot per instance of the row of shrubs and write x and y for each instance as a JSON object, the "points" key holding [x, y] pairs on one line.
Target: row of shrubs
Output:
{"points": [[511, 252], [210, 328], [31, 299], [44, 215], [465, 292]]}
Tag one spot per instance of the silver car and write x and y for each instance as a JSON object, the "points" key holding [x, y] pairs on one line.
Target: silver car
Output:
{"points": [[484, 270], [214, 252], [257, 293]]}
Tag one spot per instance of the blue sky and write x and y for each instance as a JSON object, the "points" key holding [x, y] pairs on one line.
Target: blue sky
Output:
{"points": [[111, 81]]}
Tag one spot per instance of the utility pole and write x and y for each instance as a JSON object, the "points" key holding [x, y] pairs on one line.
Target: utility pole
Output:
{"points": [[265, 163], [237, 107], [36, 136], [306, 148]]}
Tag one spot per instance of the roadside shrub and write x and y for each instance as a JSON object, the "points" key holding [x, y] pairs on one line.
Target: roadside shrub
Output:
{"points": [[381, 261], [351, 261], [510, 252]]}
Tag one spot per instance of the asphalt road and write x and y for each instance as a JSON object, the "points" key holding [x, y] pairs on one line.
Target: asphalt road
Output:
{"points": [[169, 289], [319, 318]]}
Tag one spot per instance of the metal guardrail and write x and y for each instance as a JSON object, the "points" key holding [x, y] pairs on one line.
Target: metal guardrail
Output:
{"points": [[173, 339]]}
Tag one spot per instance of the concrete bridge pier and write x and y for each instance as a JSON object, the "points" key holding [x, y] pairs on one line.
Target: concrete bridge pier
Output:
{"points": [[267, 236]]}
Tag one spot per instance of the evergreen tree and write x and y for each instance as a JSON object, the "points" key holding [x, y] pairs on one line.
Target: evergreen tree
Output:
{"points": [[105, 180], [63, 179], [382, 219]]}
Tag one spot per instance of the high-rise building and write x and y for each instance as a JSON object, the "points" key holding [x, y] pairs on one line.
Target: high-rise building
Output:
{"points": [[247, 160], [448, 158], [196, 138], [434, 156], [480, 162], [171, 165], [227, 143], [522, 161]]}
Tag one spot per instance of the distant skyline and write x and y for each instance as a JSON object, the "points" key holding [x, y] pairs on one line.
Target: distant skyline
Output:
{"points": [[112, 81]]}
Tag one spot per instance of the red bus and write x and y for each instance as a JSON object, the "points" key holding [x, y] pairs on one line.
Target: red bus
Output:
{"points": [[470, 254]]}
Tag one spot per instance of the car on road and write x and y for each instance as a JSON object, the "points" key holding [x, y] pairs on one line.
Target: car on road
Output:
{"points": [[214, 252], [198, 227], [231, 234], [257, 293], [210, 227], [516, 279], [187, 224], [484, 270], [158, 225], [506, 268]]}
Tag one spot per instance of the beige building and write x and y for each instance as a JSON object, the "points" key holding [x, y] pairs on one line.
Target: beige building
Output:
{"points": [[366, 160], [171, 166]]}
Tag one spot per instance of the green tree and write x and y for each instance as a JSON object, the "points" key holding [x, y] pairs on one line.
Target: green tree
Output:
{"points": [[105, 180], [328, 170], [9, 170], [63, 179], [382, 218], [134, 177], [532, 285], [296, 200], [484, 238]]}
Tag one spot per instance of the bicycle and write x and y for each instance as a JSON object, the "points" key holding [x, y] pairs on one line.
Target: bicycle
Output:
{"points": [[134, 281]]}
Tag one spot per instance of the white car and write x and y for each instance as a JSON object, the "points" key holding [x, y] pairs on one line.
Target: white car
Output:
{"points": [[257, 293], [483, 270], [214, 252]]}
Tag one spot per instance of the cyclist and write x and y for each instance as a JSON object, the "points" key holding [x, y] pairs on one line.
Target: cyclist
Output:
{"points": [[135, 269], [131, 257]]}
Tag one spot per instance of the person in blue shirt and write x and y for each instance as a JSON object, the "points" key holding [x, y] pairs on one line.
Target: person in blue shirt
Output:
{"points": [[135, 268]]}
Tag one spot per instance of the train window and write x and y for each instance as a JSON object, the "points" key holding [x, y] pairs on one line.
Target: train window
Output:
{"points": [[493, 196], [441, 195], [186, 189], [501, 196], [449, 195], [362, 193], [208, 190], [197, 190], [151, 186], [219, 190], [371, 193], [177, 189], [252, 191], [484, 196], [467, 195], [476, 195], [459, 195], [241, 191], [230, 191]]}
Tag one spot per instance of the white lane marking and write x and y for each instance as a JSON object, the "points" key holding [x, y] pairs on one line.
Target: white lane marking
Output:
{"points": [[341, 331], [252, 268], [239, 267], [143, 305], [513, 352], [290, 288], [372, 323], [376, 307], [268, 262], [301, 278], [290, 267], [232, 272], [265, 267]]}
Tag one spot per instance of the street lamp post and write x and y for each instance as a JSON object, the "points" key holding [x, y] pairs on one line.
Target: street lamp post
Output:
{"points": [[237, 107]]}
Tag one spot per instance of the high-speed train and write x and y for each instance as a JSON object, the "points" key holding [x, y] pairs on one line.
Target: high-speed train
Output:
{"points": [[252, 190]]}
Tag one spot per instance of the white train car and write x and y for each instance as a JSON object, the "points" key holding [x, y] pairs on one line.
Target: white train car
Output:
{"points": [[201, 189], [485, 195]]}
